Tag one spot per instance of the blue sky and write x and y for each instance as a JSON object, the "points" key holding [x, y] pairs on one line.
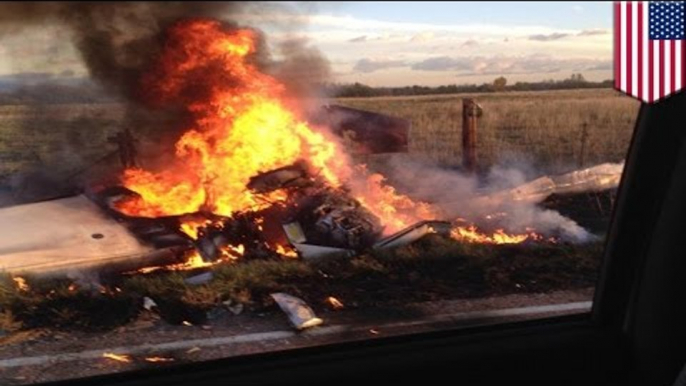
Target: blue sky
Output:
{"points": [[433, 43], [400, 43], [564, 15]]}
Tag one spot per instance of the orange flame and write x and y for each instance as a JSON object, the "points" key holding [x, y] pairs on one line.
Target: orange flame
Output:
{"points": [[21, 283], [397, 211], [335, 303], [242, 126], [193, 261], [286, 251], [471, 235], [158, 359], [117, 357], [191, 227], [232, 252]]}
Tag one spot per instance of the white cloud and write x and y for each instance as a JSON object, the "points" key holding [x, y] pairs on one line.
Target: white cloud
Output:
{"points": [[506, 65], [422, 37], [465, 66], [594, 32], [548, 37], [471, 43], [359, 39], [350, 23], [371, 65]]}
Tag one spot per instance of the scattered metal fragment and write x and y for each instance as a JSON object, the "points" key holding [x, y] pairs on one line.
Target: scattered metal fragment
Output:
{"points": [[323, 221], [35, 240], [314, 252], [597, 178], [334, 218], [299, 313], [149, 304], [210, 244], [338, 228], [295, 175], [294, 232], [367, 132], [345, 226], [413, 233], [296, 236], [202, 278], [236, 309]]}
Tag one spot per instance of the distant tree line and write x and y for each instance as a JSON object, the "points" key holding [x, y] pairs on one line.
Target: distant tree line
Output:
{"points": [[576, 81], [89, 92]]}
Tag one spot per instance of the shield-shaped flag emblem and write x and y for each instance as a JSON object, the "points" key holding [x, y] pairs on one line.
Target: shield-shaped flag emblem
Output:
{"points": [[650, 61]]}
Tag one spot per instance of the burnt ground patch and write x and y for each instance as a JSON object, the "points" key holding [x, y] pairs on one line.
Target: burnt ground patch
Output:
{"points": [[433, 268]]}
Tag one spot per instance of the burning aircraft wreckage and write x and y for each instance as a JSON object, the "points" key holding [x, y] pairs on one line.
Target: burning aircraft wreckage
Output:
{"points": [[254, 177]]}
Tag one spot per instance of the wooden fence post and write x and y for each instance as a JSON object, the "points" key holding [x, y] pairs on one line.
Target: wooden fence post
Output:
{"points": [[471, 111]]}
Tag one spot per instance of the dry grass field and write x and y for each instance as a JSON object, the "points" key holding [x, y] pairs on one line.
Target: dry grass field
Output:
{"points": [[59, 137], [544, 129]]}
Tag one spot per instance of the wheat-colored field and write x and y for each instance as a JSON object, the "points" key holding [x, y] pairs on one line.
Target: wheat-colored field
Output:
{"points": [[542, 128], [61, 138]]}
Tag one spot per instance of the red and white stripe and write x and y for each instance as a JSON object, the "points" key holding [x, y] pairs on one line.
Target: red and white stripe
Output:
{"points": [[646, 69]]}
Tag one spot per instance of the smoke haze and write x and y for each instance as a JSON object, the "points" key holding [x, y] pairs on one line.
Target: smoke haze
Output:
{"points": [[118, 40], [458, 195]]}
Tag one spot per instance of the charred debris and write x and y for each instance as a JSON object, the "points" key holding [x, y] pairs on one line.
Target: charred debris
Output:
{"points": [[316, 219]]}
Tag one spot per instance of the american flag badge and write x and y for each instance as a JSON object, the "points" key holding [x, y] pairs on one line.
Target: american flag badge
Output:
{"points": [[650, 48]]}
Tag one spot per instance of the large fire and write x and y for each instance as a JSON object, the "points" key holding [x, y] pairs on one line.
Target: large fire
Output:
{"points": [[244, 125]]}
